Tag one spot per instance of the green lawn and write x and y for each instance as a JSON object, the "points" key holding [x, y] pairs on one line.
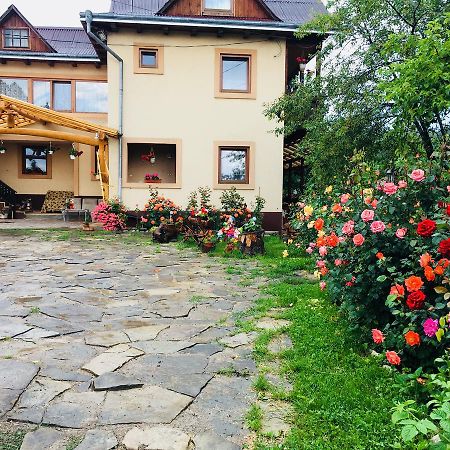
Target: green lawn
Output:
{"points": [[342, 396]]}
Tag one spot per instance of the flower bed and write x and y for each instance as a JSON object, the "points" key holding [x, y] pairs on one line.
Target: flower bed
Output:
{"points": [[382, 252]]}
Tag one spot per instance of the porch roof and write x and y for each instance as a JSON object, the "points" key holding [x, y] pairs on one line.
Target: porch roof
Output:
{"points": [[15, 115]]}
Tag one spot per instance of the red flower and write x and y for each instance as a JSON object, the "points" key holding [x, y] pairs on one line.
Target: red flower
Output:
{"points": [[448, 210], [393, 358], [377, 336], [444, 248], [426, 228], [412, 338], [415, 300]]}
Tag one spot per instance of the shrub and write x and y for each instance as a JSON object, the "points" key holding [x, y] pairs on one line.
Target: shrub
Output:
{"points": [[160, 209], [111, 214], [382, 252]]}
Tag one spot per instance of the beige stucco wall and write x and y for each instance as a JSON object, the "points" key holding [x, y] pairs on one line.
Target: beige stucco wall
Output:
{"points": [[180, 104], [67, 174]]}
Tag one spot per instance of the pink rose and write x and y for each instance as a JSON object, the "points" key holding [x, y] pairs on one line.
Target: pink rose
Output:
{"points": [[402, 184], [378, 226], [367, 215], [342, 238], [358, 239], [320, 264], [401, 233], [348, 227], [345, 198], [390, 188], [312, 244], [309, 250], [338, 262], [322, 250], [417, 175], [322, 285]]}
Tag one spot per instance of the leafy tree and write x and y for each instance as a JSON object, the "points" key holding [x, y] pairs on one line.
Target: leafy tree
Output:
{"points": [[350, 107]]}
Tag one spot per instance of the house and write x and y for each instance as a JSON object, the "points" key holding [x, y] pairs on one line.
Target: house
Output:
{"points": [[52, 68], [197, 76]]}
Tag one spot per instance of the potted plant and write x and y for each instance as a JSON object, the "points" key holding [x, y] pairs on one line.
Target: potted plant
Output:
{"points": [[150, 157], [208, 242], [152, 178], [252, 234], [74, 153]]}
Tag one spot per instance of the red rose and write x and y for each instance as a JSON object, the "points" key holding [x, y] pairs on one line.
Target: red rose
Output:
{"points": [[415, 300], [444, 248], [426, 228], [448, 210]]}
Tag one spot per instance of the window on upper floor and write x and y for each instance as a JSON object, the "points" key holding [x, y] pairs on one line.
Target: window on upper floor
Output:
{"points": [[235, 74], [14, 87], [91, 97], [62, 96], [16, 38], [148, 59], [218, 7]]}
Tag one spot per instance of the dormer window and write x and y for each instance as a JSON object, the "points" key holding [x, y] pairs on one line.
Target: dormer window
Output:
{"points": [[16, 38], [218, 7]]}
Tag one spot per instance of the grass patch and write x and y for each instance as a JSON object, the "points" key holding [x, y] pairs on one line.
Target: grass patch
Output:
{"points": [[254, 418], [73, 442], [11, 440]]}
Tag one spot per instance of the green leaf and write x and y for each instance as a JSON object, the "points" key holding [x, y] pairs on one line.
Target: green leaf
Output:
{"points": [[399, 415], [441, 320], [439, 334], [409, 432], [382, 278], [392, 297], [440, 289]]}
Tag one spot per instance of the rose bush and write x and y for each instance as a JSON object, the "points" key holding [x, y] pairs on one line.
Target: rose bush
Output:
{"points": [[382, 252], [159, 209], [111, 214]]}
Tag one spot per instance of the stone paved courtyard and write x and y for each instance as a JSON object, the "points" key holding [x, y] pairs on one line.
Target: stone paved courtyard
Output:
{"points": [[121, 346]]}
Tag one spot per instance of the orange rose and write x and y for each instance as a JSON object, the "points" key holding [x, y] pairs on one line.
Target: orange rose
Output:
{"points": [[425, 260], [332, 240], [377, 336], [337, 208], [412, 338], [413, 283], [393, 358], [321, 242], [323, 271], [398, 290], [379, 255], [318, 224], [429, 274]]}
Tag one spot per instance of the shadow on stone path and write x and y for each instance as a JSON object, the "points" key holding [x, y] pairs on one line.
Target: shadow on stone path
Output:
{"points": [[121, 346]]}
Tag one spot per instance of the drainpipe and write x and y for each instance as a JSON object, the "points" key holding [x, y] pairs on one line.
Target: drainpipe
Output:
{"points": [[89, 18]]}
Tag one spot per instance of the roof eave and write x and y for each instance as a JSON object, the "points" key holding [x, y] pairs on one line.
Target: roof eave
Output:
{"points": [[49, 57], [211, 23]]}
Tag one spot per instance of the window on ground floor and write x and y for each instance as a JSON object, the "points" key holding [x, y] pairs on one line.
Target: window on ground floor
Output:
{"points": [[152, 163], [35, 161], [234, 165]]}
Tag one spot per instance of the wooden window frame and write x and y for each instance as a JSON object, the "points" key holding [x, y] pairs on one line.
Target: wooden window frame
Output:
{"points": [[138, 68], [178, 166], [22, 175], [72, 93], [12, 47], [249, 183], [247, 161], [220, 53], [217, 12], [74, 96]]}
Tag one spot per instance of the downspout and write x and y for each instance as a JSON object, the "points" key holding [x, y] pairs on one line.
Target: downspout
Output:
{"points": [[89, 18]]}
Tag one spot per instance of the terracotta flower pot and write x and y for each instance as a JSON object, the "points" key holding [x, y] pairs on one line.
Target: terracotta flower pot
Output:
{"points": [[206, 247], [153, 181]]}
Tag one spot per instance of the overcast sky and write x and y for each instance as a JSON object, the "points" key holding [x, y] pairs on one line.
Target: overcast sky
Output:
{"points": [[55, 12]]}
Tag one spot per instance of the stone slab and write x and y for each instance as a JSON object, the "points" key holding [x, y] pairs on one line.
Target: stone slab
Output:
{"points": [[98, 440], [113, 380], [156, 438], [210, 440], [145, 333], [150, 404], [43, 438], [107, 338]]}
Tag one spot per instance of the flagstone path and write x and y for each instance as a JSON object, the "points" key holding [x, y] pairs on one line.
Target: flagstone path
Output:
{"points": [[121, 346]]}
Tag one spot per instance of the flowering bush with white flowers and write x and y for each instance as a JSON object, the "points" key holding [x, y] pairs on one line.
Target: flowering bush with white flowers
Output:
{"points": [[382, 252]]}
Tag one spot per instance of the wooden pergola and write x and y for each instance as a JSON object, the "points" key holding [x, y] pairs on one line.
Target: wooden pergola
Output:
{"points": [[16, 117], [293, 160]]}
